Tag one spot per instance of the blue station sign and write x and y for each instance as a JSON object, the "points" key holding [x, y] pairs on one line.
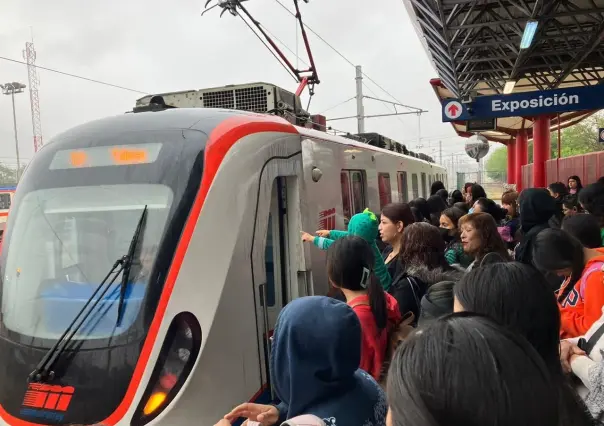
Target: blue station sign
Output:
{"points": [[528, 104]]}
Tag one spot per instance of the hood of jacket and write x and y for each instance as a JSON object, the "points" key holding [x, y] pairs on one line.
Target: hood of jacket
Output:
{"points": [[364, 225], [537, 207], [432, 276], [315, 364]]}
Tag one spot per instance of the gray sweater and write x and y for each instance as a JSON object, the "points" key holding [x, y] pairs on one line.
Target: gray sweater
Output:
{"points": [[590, 369]]}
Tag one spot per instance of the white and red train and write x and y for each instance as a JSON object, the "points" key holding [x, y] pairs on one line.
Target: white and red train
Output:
{"points": [[201, 210]]}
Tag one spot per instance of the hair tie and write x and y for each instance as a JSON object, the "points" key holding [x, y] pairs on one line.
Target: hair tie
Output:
{"points": [[365, 277]]}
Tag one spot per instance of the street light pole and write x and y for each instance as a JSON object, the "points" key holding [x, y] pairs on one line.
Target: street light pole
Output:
{"points": [[11, 89]]}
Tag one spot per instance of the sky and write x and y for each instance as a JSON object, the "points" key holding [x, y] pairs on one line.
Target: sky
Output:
{"points": [[153, 46]]}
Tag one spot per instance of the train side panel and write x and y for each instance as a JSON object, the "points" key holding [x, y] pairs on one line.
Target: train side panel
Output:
{"points": [[219, 277], [338, 162]]}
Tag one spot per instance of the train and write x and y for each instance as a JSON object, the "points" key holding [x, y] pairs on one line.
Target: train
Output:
{"points": [[147, 257], [6, 198]]}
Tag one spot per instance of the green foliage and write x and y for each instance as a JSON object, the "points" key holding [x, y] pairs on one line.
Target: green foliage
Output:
{"points": [[8, 174], [578, 139]]}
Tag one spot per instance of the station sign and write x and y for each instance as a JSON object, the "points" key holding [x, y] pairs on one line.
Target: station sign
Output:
{"points": [[527, 104]]}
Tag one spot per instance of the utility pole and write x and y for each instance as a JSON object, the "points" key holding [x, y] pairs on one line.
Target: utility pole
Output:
{"points": [[360, 107], [360, 116], [479, 180], [11, 89], [419, 130], [440, 151]]}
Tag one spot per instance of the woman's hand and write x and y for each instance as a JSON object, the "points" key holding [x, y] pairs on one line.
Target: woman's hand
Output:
{"points": [[567, 351], [266, 415], [323, 233], [307, 238]]}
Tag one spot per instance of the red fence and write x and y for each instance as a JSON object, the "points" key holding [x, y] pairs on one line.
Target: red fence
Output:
{"points": [[589, 167]]}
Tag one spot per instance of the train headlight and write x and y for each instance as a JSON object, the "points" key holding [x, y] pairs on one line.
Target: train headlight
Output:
{"points": [[155, 401], [176, 358]]}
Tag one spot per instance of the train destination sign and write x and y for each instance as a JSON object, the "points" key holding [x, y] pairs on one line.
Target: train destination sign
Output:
{"points": [[526, 104], [481, 125]]}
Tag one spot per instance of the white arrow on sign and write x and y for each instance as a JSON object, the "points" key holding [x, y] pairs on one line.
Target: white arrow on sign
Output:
{"points": [[453, 110]]}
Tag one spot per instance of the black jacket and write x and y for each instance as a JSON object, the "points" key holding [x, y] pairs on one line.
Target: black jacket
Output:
{"points": [[411, 285], [537, 210]]}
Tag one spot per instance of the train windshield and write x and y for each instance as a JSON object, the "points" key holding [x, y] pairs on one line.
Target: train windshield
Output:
{"points": [[75, 214], [64, 242]]}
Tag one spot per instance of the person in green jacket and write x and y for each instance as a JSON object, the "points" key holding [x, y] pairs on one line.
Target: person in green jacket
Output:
{"points": [[364, 225]]}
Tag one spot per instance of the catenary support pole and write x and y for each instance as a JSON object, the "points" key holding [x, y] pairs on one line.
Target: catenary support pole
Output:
{"points": [[360, 107]]}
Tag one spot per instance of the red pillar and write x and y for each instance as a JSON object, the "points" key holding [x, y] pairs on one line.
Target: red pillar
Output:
{"points": [[521, 156], [511, 162], [541, 150]]}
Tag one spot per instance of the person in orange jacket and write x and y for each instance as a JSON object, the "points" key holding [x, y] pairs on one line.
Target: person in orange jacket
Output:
{"points": [[581, 296]]}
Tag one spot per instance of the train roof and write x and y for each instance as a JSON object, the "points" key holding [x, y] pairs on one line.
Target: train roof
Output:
{"points": [[200, 119], [351, 142], [169, 119]]}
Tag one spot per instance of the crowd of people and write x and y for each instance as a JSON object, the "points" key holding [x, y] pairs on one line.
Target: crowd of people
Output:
{"points": [[451, 310]]}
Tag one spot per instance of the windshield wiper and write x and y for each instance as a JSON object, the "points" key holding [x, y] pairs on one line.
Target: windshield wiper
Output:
{"points": [[128, 265], [122, 265]]}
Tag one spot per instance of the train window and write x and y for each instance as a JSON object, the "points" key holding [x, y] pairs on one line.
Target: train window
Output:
{"points": [[346, 201], [414, 186], [4, 201], [384, 189], [430, 180], [403, 189], [269, 263], [353, 192], [424, 188], [68, 240], [358, 192]]}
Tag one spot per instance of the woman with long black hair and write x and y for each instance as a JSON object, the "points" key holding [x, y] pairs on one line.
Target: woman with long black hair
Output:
{"points": [[349, 268], [449, 229], [468, 370], [581, 296], [574, 185]]}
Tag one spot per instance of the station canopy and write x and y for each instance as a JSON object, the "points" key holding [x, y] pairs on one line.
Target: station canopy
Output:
{"points": [[475, 46]]}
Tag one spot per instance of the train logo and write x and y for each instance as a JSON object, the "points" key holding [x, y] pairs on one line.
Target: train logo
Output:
{"points": [[327, 219], [48, 397]]}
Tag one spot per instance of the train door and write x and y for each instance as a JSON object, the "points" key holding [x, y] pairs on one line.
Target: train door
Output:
{"points": [[279, 252]]}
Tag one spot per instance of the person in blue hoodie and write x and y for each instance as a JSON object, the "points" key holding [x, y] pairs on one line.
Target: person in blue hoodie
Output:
{"points": [[315, 369]]}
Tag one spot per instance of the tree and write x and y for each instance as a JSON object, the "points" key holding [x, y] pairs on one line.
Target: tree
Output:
{"points": [[8, 174], [578, 139]]}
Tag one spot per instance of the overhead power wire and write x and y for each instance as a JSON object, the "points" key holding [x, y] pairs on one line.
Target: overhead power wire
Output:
{"points": [[266, 45], [285, 45], [389, 107], [75, 76], [339, 53], [337, 105]]}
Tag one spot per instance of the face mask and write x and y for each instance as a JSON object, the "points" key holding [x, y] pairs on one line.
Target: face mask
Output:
{"points": [[446, 234], [471, 210]]}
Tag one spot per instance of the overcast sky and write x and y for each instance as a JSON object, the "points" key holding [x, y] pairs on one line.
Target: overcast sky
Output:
{"points": [[157, 46]]}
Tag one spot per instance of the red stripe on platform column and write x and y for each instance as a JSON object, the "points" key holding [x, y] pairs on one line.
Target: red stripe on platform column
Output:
{"points": [[541, 150], [511, 162], [521, 156]]}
